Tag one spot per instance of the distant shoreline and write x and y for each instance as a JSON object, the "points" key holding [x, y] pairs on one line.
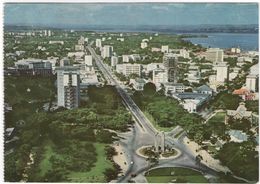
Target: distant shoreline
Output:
{"points": [[146, 29]]}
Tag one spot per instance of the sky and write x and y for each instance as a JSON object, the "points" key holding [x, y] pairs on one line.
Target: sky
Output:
{"points": [[130, 14]]}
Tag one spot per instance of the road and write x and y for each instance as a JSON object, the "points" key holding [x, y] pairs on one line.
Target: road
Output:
{"points": [[143, 134]]}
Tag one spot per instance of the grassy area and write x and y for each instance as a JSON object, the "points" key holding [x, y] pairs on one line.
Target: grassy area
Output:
{"points": [[180, 175], [219, 117], [155, 124], [178, 134], [45, 164], [96, 173]]}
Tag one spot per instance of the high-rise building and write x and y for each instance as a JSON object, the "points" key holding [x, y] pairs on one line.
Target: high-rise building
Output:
{"points": [[68, 87], [214, 55], [81, 40], [114, 61], [125, 58], [252, 82], [64, 62], [49, 33], [159, 77], [98, 43], [222, 72], [170, 62], [88, 60], [107, 51]]}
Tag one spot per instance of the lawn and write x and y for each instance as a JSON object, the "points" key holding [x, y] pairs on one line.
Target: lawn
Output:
{"points": [[219, 117], [155, 124], [45, 164], [181, 175], [96, 173]]}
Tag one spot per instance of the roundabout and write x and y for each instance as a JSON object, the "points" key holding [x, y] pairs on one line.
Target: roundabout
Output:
{"points": [[149, 151]]}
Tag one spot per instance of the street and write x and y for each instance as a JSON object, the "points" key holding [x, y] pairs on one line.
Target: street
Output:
{"points": [[144, 135]]}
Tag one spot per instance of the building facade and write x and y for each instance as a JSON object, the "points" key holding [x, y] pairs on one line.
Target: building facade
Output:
{"points": [[222, 72], [128, 69], [214, 55], [68, 87], [252, 82], [107, 51], [170, 62], [98, 43]]}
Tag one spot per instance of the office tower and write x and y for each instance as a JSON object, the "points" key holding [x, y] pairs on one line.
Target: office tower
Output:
{"points": [[68, 87], [214, 55], [222, 72], [170, 62]]}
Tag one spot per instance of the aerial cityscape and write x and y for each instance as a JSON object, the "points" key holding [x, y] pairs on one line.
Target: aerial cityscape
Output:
{"points": [[131, 93]]}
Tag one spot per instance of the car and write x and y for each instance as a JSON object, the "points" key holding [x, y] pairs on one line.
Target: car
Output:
{"points": [[133, 175]]}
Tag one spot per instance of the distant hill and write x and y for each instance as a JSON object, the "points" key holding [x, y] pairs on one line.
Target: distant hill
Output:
{"points": [[252, 28]]}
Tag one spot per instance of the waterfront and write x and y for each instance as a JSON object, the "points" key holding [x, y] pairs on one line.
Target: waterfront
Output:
{"points": [[227, 40]]}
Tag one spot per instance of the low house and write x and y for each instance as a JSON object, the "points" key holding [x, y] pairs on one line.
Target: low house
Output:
{"points": [[171, 87], [237, 136], [244, 93], [138, 84], [239, 113], [204, 89], [192, 102]]}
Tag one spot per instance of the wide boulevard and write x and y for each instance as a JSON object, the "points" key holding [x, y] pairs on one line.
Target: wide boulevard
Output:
{"points": [[143, 134]]}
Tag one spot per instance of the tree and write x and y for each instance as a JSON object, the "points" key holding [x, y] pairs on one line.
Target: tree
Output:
{"points": [[149, 89], [110, 174]]}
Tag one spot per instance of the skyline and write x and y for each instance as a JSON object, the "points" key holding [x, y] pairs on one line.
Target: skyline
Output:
{"points": [[130, 14]]}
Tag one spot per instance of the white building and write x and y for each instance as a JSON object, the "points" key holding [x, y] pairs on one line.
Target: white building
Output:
{"points": [[159, 77], [138, 84], [79, 47], [88, 60], [165, 49], [107, 51], [98, 43], [236, 50], [150, 67], [214, 55], [114, 61], [154, 49], [128, 69], [56, 42], [76, 54], [252, 82], [173, 88], [184, 53], [64, 62], [49, 33], [53, 61], [120, 39], [143, 45], [222, 72], [125, 58], [81, 40], [190, 105], [68, 87]]}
